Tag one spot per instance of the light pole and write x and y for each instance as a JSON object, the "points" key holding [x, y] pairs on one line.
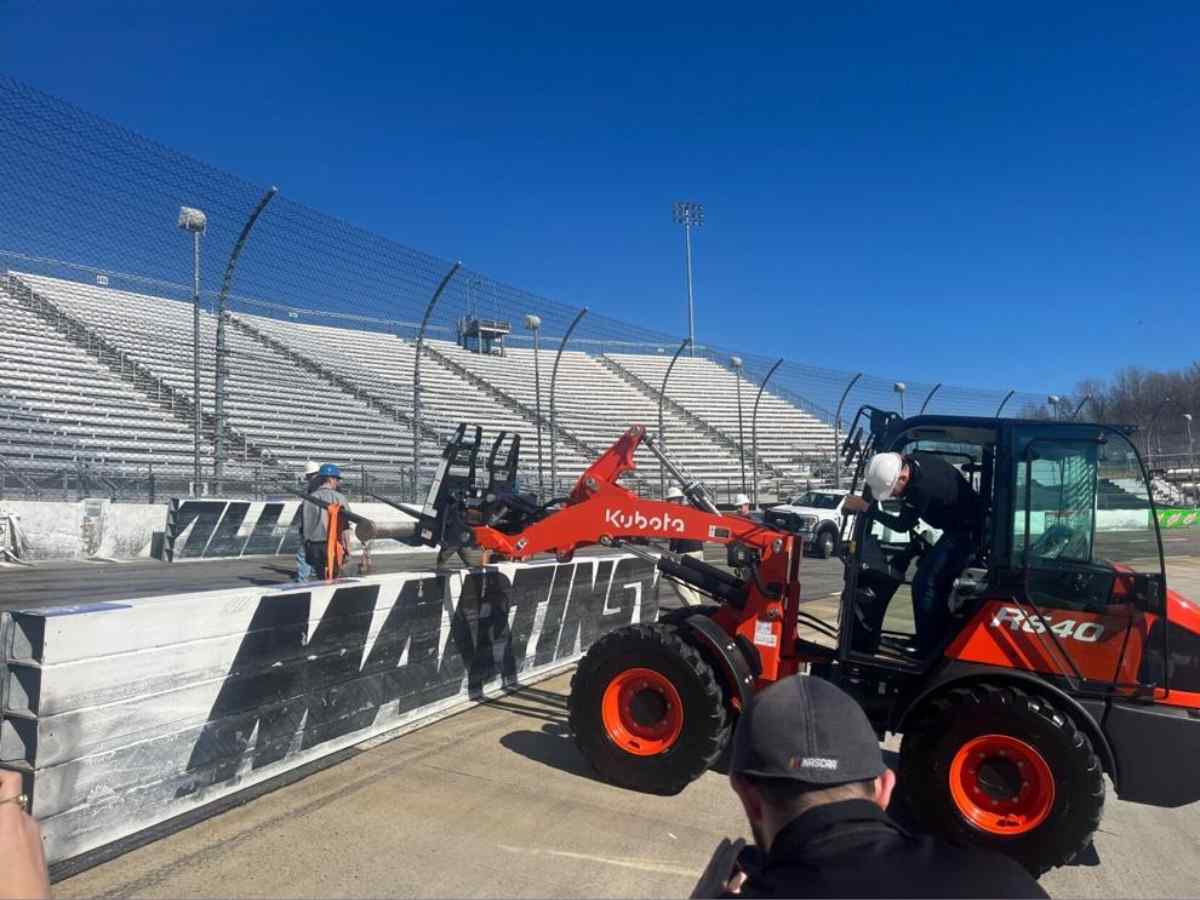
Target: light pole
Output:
{"points": [[534, 324], [1052, 401], [738, 363], [900, 387], [689, 214], [1150, 433], [195, 222], [1187, 417]]}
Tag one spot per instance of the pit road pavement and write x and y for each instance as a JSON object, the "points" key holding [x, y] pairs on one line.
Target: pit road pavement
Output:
{"points": [[497, 802]]}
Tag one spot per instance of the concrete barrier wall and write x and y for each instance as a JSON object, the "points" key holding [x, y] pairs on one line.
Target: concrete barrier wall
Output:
{"points": [[128, 714], [221, 529], [87, 529]]}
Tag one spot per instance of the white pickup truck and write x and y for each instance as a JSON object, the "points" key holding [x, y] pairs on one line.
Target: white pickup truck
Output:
{"points": [[816, 516]]}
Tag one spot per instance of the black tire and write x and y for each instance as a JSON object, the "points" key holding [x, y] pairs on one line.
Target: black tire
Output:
{"points": [[826, 544], [963, 714], [705, 728]]}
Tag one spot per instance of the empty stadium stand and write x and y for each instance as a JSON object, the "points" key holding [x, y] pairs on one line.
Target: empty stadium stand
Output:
{"points": [[105, 375], [787, 435], [61, 407], [277, 411]]}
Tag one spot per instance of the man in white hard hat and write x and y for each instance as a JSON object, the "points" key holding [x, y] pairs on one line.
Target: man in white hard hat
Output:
{"points": [[742, 502], [929, 489], [688, 595], [304, 572]]}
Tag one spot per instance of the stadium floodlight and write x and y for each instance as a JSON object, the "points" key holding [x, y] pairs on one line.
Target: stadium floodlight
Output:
{"points": [[900, 387], [196, 223], [689, 214], [534, 324], [738, 363]]}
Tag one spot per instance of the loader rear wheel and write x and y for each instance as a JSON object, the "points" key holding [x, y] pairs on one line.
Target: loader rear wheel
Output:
{"points": [[997, 767], [647, 711]]}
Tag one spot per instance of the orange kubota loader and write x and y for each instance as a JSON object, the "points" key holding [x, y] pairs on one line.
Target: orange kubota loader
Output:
{"points": [[1068, 658]]}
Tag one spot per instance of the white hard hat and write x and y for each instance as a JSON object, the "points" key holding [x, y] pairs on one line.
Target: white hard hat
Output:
{"points": [[674, 493], [883, 471], [740, 500], [311, 468]]}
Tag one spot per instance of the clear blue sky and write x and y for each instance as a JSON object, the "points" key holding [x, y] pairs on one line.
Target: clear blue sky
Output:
{"points": [[989, 197]]}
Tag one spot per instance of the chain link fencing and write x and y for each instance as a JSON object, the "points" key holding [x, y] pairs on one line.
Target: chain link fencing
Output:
{"points": [[307, 330]]}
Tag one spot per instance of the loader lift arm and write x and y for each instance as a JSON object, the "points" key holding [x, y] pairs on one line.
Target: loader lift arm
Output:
{"points": [[599, 510]]}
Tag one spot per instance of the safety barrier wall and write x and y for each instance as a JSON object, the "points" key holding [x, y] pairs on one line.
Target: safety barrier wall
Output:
{"points": [[128, 714], [222, 529], [85, 529]]}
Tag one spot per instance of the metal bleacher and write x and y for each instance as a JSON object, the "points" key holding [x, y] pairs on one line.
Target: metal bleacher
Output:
{"points": [[298, 391], [60, 406], [786, 434]]}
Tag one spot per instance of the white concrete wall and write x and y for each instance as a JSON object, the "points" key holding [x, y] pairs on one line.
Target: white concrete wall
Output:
{"points": [[131, 713], [89, 528]]}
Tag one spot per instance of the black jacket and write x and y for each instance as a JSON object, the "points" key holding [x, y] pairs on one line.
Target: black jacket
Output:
{"points": [[936, 492], [852, 849]]}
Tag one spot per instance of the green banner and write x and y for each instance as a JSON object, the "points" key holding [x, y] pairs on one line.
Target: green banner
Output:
{"points": [[1178, 518]]}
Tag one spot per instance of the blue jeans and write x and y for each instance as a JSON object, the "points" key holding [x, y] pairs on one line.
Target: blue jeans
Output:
{"points": [[304, 572], [931, 586]]}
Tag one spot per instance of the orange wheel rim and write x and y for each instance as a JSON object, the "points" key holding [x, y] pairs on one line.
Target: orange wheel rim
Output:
{"points": [[642, 712], [1001, 785]]}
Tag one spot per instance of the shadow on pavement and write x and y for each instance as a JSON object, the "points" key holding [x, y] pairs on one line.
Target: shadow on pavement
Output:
{"points": [[553, 747]]}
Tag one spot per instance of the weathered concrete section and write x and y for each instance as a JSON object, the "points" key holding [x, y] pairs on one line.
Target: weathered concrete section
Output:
{"points": [[228, 529], [85, 530], [130, 713]]}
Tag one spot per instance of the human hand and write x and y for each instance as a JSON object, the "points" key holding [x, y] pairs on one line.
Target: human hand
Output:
{"points": [[722, 873], [855, 503], [23, 872]]}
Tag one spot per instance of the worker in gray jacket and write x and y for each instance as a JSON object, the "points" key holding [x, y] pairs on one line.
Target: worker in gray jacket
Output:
{"points": [[316, 521]]}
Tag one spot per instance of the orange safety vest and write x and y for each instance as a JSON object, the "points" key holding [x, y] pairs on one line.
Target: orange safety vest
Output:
{"points": [[335, 553]]}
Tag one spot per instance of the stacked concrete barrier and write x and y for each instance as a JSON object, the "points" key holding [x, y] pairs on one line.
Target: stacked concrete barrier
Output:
{"points": [[223, 529], [127, 715]]}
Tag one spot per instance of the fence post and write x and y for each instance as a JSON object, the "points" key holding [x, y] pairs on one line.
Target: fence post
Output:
{"points": [[221, 352], [153, 491], [837, 434], [928, 397], [1007, 397], [754, 427], [417, 449], [553, 420], [662, 393]]}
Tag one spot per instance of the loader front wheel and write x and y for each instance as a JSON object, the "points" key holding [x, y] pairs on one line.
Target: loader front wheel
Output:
{"points": [[647, 711]]}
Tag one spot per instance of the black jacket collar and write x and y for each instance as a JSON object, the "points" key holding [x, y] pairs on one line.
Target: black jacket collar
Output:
{"points": [[798, 833]]}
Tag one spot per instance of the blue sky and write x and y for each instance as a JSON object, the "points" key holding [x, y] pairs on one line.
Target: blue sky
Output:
{"points": [[983, 197]]}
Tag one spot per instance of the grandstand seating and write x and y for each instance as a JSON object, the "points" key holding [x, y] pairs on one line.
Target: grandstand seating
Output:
{"points": [[274, 404], [598, 406], [709, 391], [383, 365], [60, 407], [297, 390]]}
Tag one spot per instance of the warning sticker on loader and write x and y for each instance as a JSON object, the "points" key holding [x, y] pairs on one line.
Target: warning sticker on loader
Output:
{"points": [[764, 634]]}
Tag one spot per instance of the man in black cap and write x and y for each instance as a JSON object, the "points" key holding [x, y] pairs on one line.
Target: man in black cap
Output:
{"points": [[807, 767]]}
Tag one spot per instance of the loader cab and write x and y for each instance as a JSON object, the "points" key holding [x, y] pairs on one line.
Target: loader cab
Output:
{"points": [[877, 613], [1068, 559]]}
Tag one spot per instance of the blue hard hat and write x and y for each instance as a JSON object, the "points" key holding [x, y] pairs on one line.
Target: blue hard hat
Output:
{"points": [[329, 470]]}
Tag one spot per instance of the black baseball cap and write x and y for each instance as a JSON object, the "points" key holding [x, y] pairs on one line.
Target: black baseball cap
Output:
{"points": [[807, 729]]}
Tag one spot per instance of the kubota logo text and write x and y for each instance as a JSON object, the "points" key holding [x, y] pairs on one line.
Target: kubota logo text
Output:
{"points": [[1017, 620], [635, 521]]}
